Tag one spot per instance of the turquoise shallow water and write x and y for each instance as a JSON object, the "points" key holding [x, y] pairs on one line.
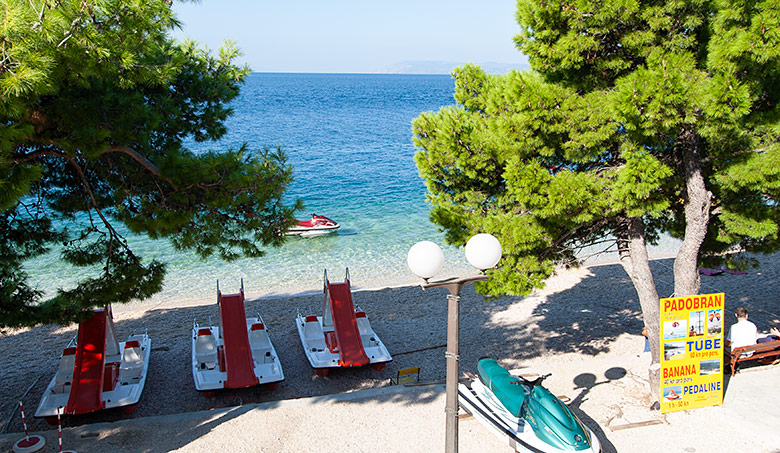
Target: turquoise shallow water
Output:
{"points": [[349, 138]]}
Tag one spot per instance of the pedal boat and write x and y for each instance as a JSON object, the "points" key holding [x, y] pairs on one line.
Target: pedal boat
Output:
{"points": [[342, 336], [96, 371], [237, 353], [523, 413], [315, 226]]}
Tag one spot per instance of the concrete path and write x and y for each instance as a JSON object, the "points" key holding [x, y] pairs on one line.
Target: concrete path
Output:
{"points": [[411, 419]]}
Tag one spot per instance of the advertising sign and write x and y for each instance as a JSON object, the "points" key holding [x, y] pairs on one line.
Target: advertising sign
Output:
{"points": [[691, 352]]}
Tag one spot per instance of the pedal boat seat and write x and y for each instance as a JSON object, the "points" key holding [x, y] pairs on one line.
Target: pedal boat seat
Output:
{"points": [[206, 349], [132, 362], [64, 376], [312, 332], [504, 386], [364, 327], [259, 343]]}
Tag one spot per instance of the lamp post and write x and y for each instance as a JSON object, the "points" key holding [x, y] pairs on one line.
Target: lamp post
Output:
{"points": [[425, 259]]}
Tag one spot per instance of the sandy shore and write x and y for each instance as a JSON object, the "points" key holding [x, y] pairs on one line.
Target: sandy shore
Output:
{"points": [[584, 327]]}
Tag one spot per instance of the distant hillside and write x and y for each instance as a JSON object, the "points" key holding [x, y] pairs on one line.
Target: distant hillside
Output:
{"points": [[446, 67]]}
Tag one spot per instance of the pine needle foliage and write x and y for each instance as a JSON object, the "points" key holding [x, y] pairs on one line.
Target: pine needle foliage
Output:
{"points": [[96, 100], [628, 103]]}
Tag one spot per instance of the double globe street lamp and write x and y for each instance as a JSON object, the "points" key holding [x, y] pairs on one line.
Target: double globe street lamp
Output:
{"points": [[425, 259]]}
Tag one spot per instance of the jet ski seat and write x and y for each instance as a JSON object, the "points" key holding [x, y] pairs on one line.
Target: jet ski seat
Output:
{"points": [[505, 387]]}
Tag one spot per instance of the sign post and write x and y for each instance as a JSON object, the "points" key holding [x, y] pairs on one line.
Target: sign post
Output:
{"points": [[691, 352]]}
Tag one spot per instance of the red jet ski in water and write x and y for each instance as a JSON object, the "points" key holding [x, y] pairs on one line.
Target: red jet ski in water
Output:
{"points": [[318, 224]]}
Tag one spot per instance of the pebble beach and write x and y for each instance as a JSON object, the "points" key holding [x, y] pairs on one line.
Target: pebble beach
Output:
{"points": [[584, 327]]}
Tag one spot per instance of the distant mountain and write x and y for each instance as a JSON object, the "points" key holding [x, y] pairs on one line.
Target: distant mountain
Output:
{"points": [[446, 67]]}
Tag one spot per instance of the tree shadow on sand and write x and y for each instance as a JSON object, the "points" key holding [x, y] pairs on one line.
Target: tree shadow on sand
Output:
{"points": [[585, 382], [585, 318], [411, 323], [604, 305]]}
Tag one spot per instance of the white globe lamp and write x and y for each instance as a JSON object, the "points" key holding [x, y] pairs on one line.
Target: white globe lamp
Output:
{"points": [[483, 251], [425, 259]]}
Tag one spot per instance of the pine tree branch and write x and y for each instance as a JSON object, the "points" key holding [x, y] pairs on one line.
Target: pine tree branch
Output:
{"points": [[82, 177], [138, 157], [141, 159]]}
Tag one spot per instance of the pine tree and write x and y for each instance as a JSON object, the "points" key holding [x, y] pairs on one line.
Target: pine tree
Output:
{"points": [[97, 101], [638, 119]]}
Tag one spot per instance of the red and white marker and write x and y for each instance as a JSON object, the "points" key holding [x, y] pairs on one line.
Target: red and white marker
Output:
{"points": [[29, 443], [59, 432]]}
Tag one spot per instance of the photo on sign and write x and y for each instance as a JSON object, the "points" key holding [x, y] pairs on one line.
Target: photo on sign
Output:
{"points": [[709, 367], [696, 321], [674, 350], [673, 393], [714, 321], [675, 330]]}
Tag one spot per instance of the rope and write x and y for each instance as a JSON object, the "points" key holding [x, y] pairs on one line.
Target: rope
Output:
{"points": [[420, 350], [11, 417]]}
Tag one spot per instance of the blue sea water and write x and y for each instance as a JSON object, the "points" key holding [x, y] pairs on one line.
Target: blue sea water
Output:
{"points": [[349, 139]]}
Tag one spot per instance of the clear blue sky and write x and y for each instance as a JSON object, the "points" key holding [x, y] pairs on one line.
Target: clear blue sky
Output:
{"points": [[354, 36]]}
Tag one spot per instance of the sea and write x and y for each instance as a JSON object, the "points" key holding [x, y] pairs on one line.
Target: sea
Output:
{"points": [[349, 140]]}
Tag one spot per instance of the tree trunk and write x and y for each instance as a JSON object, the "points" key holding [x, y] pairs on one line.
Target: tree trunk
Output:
{"points": [[697, 215], [635, 261]]}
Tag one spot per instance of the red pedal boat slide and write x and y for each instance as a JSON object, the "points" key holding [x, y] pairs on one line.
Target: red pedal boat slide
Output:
{"points": [[237, 353], [96, 371], [342, 336]]}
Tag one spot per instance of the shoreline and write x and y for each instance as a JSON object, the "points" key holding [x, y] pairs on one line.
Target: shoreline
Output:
{"points": [[410, 281], [191, 281]]}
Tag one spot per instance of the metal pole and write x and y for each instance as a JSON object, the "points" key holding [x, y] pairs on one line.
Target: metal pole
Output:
{"points": [[453, 285], [451, 409]]}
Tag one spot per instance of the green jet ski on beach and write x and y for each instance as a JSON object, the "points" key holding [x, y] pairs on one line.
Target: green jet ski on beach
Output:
{"points": [[523, 412]]}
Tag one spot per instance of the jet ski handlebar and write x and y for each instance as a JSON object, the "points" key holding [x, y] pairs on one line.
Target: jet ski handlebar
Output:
{"points": [[532, 382]]}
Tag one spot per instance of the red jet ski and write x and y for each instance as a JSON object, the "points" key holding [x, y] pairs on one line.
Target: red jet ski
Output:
{"points": [[318, 224]]}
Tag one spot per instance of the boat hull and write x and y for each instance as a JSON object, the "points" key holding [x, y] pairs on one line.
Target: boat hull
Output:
{"points": [[480, 402], [316, 231]]}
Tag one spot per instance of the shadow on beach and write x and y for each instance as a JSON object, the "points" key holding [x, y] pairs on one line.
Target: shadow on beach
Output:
{"points": [[585, 382], [585, 317]]}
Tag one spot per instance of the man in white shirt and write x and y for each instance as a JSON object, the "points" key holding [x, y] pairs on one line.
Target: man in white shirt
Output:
{"points": [[743, 333]]}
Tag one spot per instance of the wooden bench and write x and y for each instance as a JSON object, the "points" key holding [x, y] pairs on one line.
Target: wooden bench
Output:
{"points": [[760, 351]]}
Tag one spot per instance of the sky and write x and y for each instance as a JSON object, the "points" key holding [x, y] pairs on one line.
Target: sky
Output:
{"points": [[358, 36]]}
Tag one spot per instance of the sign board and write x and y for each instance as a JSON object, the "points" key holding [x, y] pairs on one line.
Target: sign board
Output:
{"points": [[691, 352]]}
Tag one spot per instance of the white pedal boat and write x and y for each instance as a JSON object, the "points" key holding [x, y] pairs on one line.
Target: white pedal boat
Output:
{"points": [[343, 336], [96, 371], [237, 353]]}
